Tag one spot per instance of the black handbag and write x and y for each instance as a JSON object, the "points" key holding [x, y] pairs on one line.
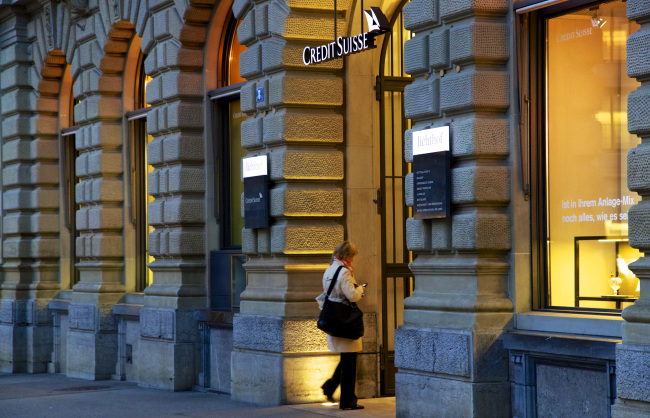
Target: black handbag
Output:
{"points": [[340, 319]]}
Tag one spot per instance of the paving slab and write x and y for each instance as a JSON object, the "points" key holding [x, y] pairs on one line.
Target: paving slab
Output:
{"points": [[55, 395]]}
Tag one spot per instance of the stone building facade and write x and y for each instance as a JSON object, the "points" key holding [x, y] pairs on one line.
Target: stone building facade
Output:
{"points": [[124, 123]]}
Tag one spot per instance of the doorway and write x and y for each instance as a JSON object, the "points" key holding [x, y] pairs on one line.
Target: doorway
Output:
{"points": [[396, 277]]}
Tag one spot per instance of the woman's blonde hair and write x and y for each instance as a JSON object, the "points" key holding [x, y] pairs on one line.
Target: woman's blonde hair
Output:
{"points": [[345, 249]]}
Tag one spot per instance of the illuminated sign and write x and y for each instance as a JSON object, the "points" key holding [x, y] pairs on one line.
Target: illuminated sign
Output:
{"points": [[377, 25]]}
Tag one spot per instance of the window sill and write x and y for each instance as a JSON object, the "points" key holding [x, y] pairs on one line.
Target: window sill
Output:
{"points": [[576, 324]]}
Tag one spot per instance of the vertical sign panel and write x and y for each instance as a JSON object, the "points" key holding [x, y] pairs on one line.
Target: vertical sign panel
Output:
{"points": [[431, 173], [256, 192]]}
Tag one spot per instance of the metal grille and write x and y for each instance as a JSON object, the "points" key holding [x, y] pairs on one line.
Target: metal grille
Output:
{"points": [[396, 278]]}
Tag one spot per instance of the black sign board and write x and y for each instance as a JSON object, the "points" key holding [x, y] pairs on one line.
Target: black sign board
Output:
{"points": [[431, 173], [256, 192]]}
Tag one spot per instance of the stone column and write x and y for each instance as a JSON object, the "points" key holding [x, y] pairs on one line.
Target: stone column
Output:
{"points": [[448, 351], [173, 40], [299, 127], [633, 355], [30, 187], [96, 67]]}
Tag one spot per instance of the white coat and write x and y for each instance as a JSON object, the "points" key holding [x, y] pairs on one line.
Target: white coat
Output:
{"points": [[345, 287]]}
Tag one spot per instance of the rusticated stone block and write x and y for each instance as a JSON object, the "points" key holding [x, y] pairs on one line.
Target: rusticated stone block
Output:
{"points": [[306, 164], [639, 227], [408, 190], [638, 111], [82, 316], [481, 231], [249, 241], [306, 200], [422, 99], [472, 91], [104, 162], [104, 107], [441, 234], [182, 147], [240, 7], [250, 61], [264, 241], [305, 89], [416, 57], [246, 29], [292, 125], [16, 199], [15, 76], [81, 218], [181, 83], [436, 351], [104, 245], [479, 42], [155, 212], [157, 323], [183, 179], [418, 236], [184, 210], [306, 26], [297, 237], [104, 134], [106, 190], [251, 133], [638, 64], [478, 184], [186, 242], [262, 20], [638, 10], [453, 10], [184, 115], [247, 97], [264, 333], [633, 372], [420, 14], [638, 169], [105, 218], [439, 49], [26, 223], [479, 137]]}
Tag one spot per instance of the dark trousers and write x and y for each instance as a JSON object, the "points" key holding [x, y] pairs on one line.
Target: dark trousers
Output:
{"points": [[346, 376]]}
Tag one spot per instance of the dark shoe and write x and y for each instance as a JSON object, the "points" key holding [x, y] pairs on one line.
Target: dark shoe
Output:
{"points": [[328, 394], [347, 408]]}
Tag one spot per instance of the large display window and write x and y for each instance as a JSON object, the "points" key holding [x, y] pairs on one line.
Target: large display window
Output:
{"points": [[587, 252]]}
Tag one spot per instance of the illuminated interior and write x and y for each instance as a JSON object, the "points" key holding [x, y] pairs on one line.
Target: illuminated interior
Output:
{"points": [[586, 158]]}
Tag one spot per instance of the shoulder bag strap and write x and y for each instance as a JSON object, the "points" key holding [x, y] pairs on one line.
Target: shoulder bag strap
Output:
{"points": [[336, 275]]}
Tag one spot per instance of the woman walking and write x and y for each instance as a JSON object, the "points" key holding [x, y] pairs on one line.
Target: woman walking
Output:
{"points": [[345, 288]]}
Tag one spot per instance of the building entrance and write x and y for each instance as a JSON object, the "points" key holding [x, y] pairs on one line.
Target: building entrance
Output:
{"points": [[396, 278]]}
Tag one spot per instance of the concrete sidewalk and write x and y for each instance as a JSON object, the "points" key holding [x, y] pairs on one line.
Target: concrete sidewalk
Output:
{"points": [[53, 395]]}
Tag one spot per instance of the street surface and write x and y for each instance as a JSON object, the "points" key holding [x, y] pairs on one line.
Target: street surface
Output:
{"points": [[53, 395]]}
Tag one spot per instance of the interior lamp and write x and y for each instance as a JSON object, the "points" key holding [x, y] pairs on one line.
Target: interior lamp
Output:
{"points": [[596, 20]]}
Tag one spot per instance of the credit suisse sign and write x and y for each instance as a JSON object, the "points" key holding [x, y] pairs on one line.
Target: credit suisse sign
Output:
{"points": [[377, 25]]}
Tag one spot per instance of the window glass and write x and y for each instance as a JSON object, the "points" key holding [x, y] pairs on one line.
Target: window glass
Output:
{"points": [[235, 51], [235, 119], [587, 199]]}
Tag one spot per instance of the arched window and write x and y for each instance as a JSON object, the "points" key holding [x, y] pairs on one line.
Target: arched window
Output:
{"points": [[139, 169], [67, 156], [227, 275]]}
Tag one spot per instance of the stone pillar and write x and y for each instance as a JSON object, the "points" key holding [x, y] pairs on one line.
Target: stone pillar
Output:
{"points": [[173, 40], [30, 187], [633, 355], [299, 127], [448, 352], [97, 67]]}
